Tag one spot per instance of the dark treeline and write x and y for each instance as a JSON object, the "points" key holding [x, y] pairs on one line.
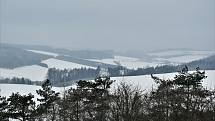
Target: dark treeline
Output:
{"points": [[180, 99], [60, 77], [63, 76], [68, 77], [16, 80]]}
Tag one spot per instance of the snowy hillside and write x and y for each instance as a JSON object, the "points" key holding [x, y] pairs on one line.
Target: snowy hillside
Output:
{"points": [[34, 72], [180, 56], [157, 58], [168, 53], [8, 89], [60, 64], [44, 53], [19, 62], [146, 82], [128, 62]]}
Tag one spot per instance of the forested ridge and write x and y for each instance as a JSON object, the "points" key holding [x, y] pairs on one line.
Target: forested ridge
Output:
{"points": [[180, 99]]}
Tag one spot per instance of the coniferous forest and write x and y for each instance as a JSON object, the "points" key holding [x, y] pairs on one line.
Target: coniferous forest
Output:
{"points": [[180, 99]]}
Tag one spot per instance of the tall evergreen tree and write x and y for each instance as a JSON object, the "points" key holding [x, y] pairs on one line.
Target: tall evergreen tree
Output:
{"points": [[96, 98], [181, 99], [3, 108], [21, 107], [48, 105]]}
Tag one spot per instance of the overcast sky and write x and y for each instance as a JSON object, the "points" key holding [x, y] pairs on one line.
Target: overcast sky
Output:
{"points": [[110, 24]]}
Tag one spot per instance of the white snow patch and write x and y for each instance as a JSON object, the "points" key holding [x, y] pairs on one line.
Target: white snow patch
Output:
{"points": [[179, 56], [186, 59], [128, 62], [44, 53], [7, 89], [60, 64], [106, 61], [181, 53], [145, 82], [34, 72], [124, 58]]}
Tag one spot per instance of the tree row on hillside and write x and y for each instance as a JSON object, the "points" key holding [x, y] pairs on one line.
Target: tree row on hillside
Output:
{"points": [[62, 76], [16, 80]]}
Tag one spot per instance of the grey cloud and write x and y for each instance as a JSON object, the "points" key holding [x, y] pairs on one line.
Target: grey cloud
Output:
{"points": [[110, 24]]}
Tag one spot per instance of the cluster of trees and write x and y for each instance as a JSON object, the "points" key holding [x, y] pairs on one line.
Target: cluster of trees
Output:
{"points": [[154, 70], [16, 80], [58, 76], [180, 99]]}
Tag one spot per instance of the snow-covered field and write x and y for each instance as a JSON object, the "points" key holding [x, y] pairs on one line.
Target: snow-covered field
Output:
{"points": [[38, 73], [145, 82], [7, 89], [179, 56], [129, 62], [180, 53], [182, 59], [34, 72], [157, 58], [60, 64], [44, 53]]}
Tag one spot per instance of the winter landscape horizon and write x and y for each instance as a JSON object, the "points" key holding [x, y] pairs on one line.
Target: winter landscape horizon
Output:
{"points": [[116, 60]]}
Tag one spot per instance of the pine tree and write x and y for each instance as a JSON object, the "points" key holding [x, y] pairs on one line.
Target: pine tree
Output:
{"points": [[21, 107], [181, 99], [96, 98], [71, 106], [48, 105], [3, 108]]}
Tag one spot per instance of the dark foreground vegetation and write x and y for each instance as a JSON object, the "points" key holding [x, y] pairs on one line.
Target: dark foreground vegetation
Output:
{"points": [[181, 99]]}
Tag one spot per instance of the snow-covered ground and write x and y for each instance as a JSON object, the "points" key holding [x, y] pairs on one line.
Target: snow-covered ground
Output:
{"points": [[34, 72], [7, 89], [180, 53], [174, 57], [44, 53], [185, 59], [145, 82], [129, 62], [60, 64], [181, 59], [106, 61], [179, 56]]}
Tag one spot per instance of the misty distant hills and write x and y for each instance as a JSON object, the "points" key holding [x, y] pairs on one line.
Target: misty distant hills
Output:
{"points": [[12, 57], [15, 55], [206, 63], [83, 54], [35, 62]]}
